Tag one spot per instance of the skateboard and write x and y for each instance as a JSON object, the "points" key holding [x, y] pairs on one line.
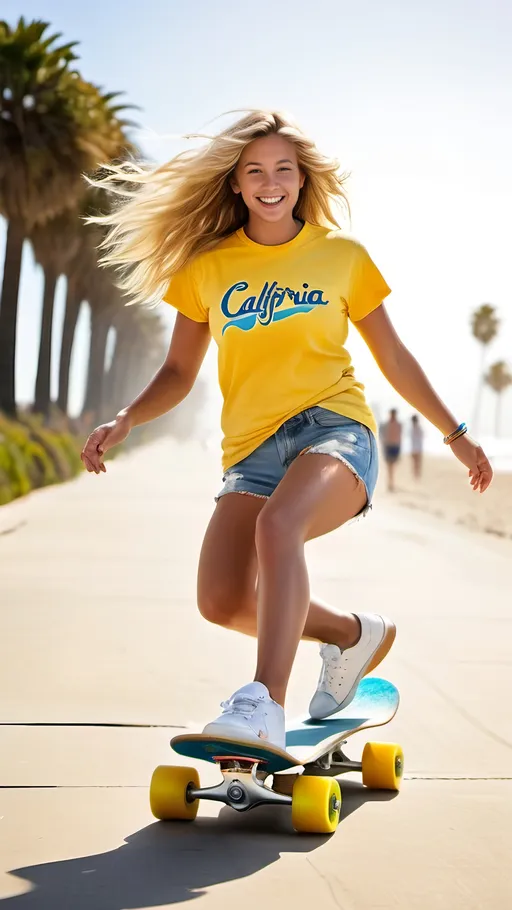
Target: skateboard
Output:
{"points": [[303, 775]]}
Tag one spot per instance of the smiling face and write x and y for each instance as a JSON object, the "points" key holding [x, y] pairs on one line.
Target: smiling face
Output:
{"points": [[269, 178]]}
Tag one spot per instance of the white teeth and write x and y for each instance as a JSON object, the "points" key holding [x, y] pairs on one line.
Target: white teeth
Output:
{"points": [[271, 200]]}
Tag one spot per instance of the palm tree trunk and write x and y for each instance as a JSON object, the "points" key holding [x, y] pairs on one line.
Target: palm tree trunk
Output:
{"points": [[110, 381], [73, 301], [9, 315], [100, 325], [478, 395], [497, 415], [124, 360], [42, 396]]}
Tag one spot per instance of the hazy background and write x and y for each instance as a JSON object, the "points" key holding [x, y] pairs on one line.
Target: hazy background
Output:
{"points": [[415, 101]]}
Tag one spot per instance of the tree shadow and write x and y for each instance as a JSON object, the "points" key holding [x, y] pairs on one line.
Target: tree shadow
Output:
{"points": [[172, 862]]}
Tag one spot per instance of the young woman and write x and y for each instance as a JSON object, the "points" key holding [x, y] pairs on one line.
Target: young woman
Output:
{"points": [[241, 237], [417, 440]]}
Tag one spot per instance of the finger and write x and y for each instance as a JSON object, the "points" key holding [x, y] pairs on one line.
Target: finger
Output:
{"points": [[85, 461], [486, 473], [485, 481], [474, 478], [92, 458], [96, 441], [481, 480], [88, 464], [102, 467]]}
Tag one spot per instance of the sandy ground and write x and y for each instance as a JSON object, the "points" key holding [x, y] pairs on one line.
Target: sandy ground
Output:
{"points": [[98, 629], [444, 491]]}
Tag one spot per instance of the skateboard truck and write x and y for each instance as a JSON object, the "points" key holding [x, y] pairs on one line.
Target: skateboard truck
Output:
{"points": [[334, 759], [242, 788]]}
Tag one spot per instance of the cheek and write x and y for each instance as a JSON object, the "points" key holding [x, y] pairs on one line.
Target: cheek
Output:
{"points": [[248, 186], [292, 184]]}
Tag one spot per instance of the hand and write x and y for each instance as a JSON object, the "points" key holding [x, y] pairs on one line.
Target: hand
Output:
{"points": [[473, 456], [102, 439]]}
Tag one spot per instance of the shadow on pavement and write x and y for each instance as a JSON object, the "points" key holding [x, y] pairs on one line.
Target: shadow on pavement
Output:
{"points": [[355, 796], [172, 862]]}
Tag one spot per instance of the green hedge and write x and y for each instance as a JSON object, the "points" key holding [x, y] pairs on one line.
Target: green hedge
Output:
{"points": [[32, 455]]}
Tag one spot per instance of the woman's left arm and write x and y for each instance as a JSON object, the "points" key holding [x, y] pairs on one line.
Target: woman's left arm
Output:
{"points": [[406, 376]]}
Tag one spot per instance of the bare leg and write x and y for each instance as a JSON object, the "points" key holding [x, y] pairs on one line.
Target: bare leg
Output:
{"points": [[416, 460], [227, 577], [317, 495]]}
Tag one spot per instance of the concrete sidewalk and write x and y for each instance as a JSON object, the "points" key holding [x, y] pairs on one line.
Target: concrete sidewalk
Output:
{"points": [[99, 629]]}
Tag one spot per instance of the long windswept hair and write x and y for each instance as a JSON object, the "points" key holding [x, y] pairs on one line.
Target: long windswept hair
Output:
{"points": [[167, 215]]}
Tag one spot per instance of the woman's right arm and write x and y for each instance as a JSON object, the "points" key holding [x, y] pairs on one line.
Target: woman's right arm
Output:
{"points": [[170, 385]]}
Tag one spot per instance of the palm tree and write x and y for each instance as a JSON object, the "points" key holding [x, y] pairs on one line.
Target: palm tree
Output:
{"points": [[125, 341], [140, 345], [69, 226], [498, 377], [104, 302], [55, 243], [35, 123], [81, 272], [484, 326], [54, 127]]}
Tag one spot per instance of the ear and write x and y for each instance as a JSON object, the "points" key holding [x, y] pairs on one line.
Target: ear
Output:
{"points": [[234, 185], [302, 179]]}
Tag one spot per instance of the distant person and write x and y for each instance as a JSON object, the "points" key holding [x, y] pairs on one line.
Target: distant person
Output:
{"points": [[240, 236], [391, 438], [417, 436]]}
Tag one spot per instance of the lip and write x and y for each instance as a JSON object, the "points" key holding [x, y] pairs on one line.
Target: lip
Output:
{"points": [[271, 204]]}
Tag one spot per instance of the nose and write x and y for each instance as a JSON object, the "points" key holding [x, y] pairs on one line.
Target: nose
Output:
{"points": [[270, 181]]}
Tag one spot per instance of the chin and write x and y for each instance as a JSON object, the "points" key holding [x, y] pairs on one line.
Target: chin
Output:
{"points": [[273, 216]]}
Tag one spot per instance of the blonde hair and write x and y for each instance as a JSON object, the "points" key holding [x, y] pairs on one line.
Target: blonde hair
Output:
{"points": [[167, 215]]}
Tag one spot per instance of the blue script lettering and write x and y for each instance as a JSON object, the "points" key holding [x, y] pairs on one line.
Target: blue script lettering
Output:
{"points": [[270, 299]]}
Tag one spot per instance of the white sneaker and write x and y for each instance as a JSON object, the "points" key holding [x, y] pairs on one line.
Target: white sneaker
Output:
{"points": [[250, 715], [342, 670]]}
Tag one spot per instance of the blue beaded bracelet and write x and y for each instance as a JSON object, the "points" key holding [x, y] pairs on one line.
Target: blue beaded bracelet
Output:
{"points": [[461, 429]]}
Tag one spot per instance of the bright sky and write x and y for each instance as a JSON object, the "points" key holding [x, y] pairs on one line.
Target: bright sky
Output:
{"points": [[414, 99]]}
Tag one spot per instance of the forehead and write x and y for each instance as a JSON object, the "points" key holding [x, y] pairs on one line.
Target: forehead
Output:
{"points": [[268, 148]]}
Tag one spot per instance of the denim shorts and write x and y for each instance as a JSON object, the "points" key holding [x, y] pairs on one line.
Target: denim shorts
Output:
{"points": [[315, 430]]}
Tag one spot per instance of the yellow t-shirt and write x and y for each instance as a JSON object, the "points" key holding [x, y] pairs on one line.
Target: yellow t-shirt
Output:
{"points": [[279, 315]]}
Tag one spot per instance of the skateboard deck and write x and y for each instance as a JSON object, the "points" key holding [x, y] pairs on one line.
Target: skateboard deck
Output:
{"points": [[302, 775], [375, 703]]}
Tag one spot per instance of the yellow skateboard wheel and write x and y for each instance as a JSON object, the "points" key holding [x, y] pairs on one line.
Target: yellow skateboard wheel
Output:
{"points": [[316, 804], [168, 793], [383, 765]]}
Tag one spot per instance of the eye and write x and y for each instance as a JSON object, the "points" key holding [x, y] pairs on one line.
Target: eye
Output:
{"points": [[254, 170], [285, 168]]}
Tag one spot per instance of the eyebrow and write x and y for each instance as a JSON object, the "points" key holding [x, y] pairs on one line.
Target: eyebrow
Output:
{"points": [[282, 161]]}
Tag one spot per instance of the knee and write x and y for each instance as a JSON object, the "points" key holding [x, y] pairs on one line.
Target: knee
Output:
{"points": [[275, 531], [221, 605]]}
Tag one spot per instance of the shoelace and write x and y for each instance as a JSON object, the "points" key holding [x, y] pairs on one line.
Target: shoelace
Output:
{"points": [[243, 705], [332, 664]]}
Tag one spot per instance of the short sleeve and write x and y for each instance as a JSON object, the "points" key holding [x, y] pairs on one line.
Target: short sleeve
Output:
{"points": [[182, 294], [367, 286]]}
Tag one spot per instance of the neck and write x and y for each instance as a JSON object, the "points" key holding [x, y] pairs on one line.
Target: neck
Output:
{"points": [[272, 234]]}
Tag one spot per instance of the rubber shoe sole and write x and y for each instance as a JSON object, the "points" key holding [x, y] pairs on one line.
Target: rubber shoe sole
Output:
{"points": [[377, 657], [384, 647]]}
